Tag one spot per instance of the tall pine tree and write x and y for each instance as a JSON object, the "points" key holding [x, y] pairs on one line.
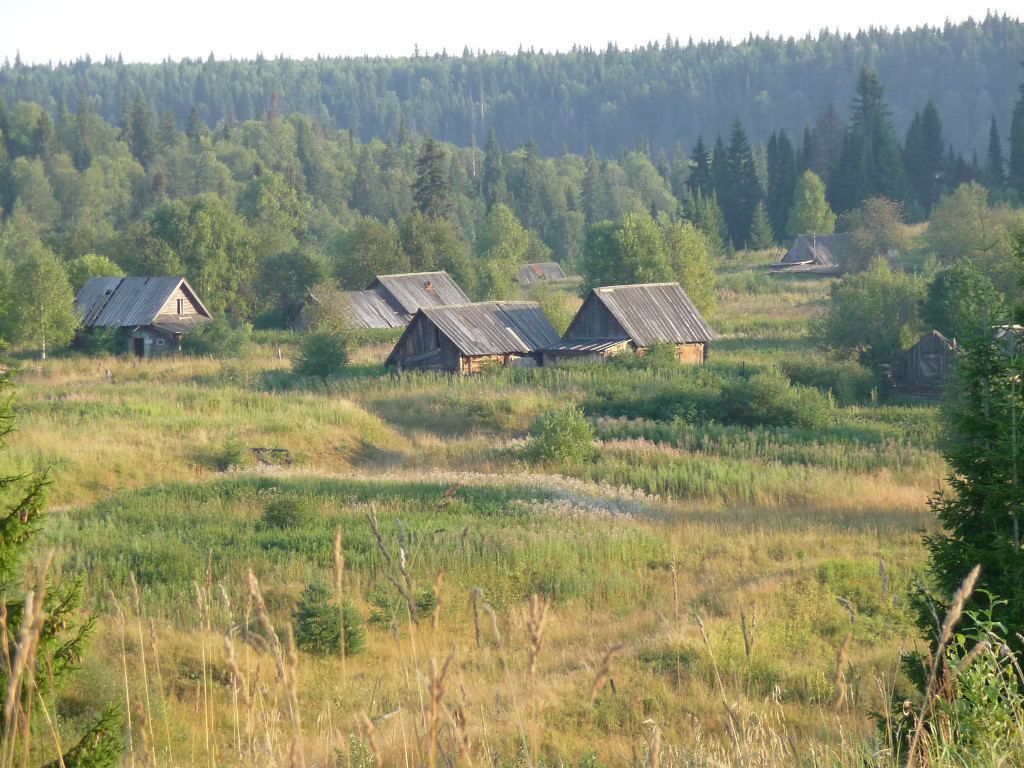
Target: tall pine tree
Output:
{"points": [[782, 177], [742, 191], [923, 157], [700, 180], [1015, 170], [995, 176]]}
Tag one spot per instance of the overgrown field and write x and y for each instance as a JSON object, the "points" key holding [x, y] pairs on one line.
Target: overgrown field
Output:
{"points": [[701, 569]]}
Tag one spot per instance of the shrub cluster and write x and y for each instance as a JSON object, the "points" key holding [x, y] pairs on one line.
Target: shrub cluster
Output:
{"points": [[563, 434], [704, 394], [323, 355], [223, 337]]}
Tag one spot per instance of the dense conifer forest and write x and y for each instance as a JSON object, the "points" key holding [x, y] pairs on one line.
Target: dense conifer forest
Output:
{"points": [[669, 91]]}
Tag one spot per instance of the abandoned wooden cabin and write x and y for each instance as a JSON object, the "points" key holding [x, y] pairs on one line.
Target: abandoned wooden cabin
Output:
{"points": [[464, 339], [401, 296], [540, 272], [816, 255], [924, 370], [632, 317], [152, 313]]}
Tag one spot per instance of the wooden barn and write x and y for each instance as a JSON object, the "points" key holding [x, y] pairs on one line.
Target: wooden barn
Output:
{"points": [[816, 255], [624, 317], [153, 312], [462, 339], [925, 368], [390, 301], [542, 271]]}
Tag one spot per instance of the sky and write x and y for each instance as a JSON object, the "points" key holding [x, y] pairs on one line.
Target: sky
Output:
{"points": [[152, 30]]}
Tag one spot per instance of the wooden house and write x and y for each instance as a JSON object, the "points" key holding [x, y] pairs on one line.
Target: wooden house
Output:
{"points": [[632, 317], [153, 313], [542, 271], [390, 301], [465, 338], [925, 368], [815, 254]]}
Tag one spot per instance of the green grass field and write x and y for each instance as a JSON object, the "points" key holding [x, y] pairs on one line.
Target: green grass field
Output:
{"points": [[709, 550]]}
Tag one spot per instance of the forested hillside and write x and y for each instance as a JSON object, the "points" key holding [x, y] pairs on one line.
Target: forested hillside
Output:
{"points": [[668, 92]]}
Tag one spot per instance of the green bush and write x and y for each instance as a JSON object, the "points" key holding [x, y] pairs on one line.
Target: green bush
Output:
{"points": [[101, 341], [234, 454], [769, 399], [288, 511], [562, 435], [323, 355], [222, 337], [318, 623]]}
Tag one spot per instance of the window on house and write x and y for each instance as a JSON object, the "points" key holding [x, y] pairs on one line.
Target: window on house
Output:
{"points": [[181, 306], [159, 342]]}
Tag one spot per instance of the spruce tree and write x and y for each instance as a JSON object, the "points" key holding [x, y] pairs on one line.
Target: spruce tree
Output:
{"points": [[61, 634], [125, 122], [923, 157], [1015, 169], [594, 195], [743, 191], [167, 131], [493, 171], [761, 235], [143, 135], [679, 173], [981, 513], [870, 163], [700, 181], [196, 128], [432, 188], [705, 214], [84, 147], [995, 177], [782, 178]]}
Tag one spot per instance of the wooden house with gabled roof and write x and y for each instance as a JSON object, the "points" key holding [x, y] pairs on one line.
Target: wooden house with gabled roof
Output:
{"points": [[464, 338], [925, 369], [390, 301], [540, 272], [618, 318], [816, 255], [153, 313]]}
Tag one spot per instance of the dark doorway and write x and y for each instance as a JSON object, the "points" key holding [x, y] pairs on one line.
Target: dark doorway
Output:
{"points": [[139, 347]]}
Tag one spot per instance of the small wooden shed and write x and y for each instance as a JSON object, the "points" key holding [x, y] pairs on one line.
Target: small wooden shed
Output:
{"points": [[390, 301], [539, 272], [925, 368], [463, 339], [621, 317], [815, 254], [153, 312]]}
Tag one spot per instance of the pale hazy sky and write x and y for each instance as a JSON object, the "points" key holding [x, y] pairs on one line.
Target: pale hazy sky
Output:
{"points": [[151, 30]]}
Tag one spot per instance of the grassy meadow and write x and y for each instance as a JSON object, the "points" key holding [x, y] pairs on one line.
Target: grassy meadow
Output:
{"points": [[695, 582]]}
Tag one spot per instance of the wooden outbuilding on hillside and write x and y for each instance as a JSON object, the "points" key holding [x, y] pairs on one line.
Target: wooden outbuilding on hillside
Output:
{"points": [[462, 339], [153, 312], [390, 301], [815, 254], [542, 271], [924, 370], [622, 317]]}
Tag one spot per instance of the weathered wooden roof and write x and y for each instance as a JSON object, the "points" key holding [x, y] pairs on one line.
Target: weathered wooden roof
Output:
{"points": [[123, 302], [817, 251], [367, 309], [583, 346], [652, 312], [545, 270], [409, 292], [933, 339], [493, 327]]}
